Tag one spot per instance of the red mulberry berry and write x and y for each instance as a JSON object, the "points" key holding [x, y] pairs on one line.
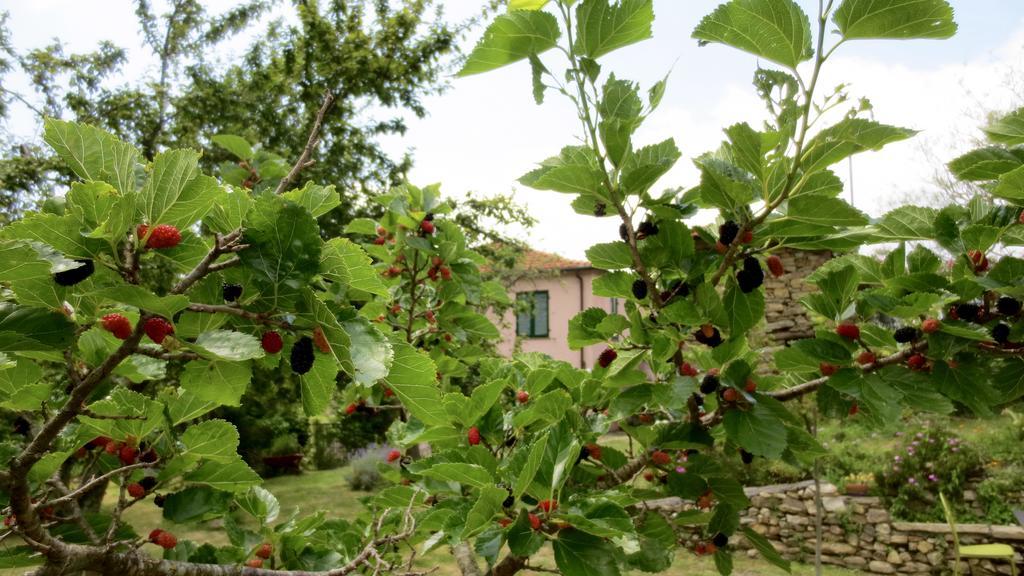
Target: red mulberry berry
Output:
{"points": [[157, 329], [272, 342], [135, 490], [775, 266], [931, 325], [163, 236], [118, 325], [848, 331], [548, 506], [607, 357], [265, 550], [522, 396], [660, 458], [394, 455], [473, 436]]}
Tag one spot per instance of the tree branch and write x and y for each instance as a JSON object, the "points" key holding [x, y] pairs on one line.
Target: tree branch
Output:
{"points": [[222, 245], [305, 160]]}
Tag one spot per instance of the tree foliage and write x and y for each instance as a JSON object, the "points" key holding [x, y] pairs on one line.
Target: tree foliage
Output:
{"points": [[393, 313]]}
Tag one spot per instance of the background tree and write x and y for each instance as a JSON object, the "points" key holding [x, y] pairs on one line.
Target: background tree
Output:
{"points": [[373, 56]]}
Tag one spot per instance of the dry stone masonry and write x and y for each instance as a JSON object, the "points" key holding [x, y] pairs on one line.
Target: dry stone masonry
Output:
{"points": [[859, 534], [785, 318]]}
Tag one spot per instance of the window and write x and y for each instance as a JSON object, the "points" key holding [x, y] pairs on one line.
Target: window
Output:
{"points": [[532, 318]]}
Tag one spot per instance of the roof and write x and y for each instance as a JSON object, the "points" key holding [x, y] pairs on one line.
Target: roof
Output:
{"points": [[537, 260]]}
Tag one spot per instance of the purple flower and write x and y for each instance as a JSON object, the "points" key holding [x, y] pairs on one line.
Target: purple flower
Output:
{"points": [[680, 470], [933, 477], [897, 457], [911, 480]]}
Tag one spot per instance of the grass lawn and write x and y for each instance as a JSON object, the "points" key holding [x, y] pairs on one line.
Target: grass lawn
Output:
{"points": [[328, 490]]}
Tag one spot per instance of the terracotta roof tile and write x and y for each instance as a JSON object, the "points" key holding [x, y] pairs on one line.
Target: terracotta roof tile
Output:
{"points": [[537, 260]]}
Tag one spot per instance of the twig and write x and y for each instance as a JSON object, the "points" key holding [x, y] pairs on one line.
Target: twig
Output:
{"points": [[304, 160], [165, 355], [236, 311], [76, 510], [221, 245], [73, 496]]}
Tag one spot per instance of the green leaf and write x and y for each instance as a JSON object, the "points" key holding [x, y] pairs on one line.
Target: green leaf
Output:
{"points": [[214, 440], [837, 290], [908, 223], [176, 193], [196, 504], [647, 165], [61, 233], [260, 504], [1011, 186], [574, 171], [510, 38], [230, 210], [284, 249], [988, 163], [1009, 380], [533, 462], [744, 310], [319, 200], [369, 350], [580, 554], [523, 540], [228, 345], [413, 377], [93, 154], [605, 519], [221, 383], [25, 329], [765, 548], [471, 475], [896, 19], [657, 541], [774, 29], [234, 476], [143, 299], [319, 384], [345, 262], [1008, 130], [602, 27], [526, 4], [487, 506], [826, 211], [234, 144], [610, 256], [758, 430], [850, 136], [22, 386], [537, 70]]}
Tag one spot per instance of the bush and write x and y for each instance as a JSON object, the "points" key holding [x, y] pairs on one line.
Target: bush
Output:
{"points": [[928, 461], [366, 462], [284, 445], [334, 442]]}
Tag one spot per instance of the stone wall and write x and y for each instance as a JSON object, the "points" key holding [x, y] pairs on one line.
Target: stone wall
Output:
{"points": [[859, 534], [785, 318]]}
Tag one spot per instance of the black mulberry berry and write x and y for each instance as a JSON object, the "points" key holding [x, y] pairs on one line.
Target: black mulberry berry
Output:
{"points": [[906, 334], [231, 292], [727, 232], [302, 355], [75, 275], [709, 384], [1008, 306], [967, 312], [746, 457], [714, 340], [600, 209], [647, 229], [1001, 333], [429, 217], [639, 289], [698, 399], [623, 232], [148, 482], [720, 540], [584, 454], [751, 277]]}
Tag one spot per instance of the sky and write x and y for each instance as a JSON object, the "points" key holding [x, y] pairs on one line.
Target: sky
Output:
{"points": [[485, 131]]}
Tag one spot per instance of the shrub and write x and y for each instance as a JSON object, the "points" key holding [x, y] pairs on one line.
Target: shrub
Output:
{"points": [[284, 445], [926, 462], [365, 474]]}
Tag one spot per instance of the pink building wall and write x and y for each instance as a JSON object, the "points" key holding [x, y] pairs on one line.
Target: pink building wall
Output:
{"points": [[564, 302]]}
